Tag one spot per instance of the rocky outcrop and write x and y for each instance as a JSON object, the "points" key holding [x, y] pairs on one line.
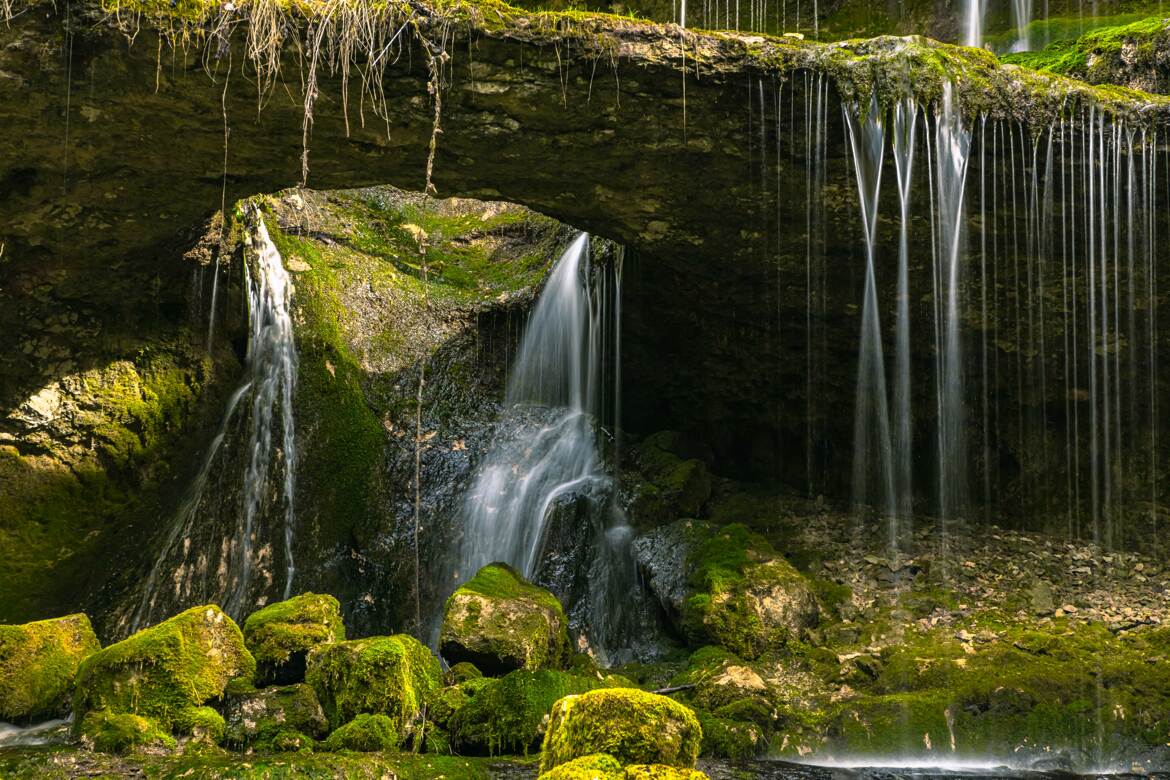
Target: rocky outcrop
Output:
{"points": [[271, 717], [281, 635]]}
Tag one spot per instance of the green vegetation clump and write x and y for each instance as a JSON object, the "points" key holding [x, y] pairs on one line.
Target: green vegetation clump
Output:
{"points": [[280, 635], [392, 675], [507, 715], [462, 672], [661, 772], [596, 766], [724, 738], [202, 723], [366, 734], [37, 664], [166, 671], [500, 622], [120, 732], [744, 596], [631, 725], [677, 484]]}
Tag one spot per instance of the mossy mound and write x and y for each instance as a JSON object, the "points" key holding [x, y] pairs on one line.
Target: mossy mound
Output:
{"points": [[631, 725], [203, 724], [391, 675], [597, 766], [724, 738], [744, 596], [165, 671], [281, 635], [507, 715], [661, 772], [258, 718], [500, 622], [366, 734], [462, 672], [120, 732], [37, 664]]}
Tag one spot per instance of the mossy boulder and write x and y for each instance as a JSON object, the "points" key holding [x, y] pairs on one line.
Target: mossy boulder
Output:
{"points": [[257, 718], [203, 724], [281, 635], [501, 622], [121, 732], [165, 671], [37, 664], [661, 772], [509, 714], [391, 675], [597, 766], [631, 725], [744, 596], [462, 672], [366, 733], [724, 738]]}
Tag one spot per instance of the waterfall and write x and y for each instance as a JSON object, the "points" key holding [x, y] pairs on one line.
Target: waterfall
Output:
{"points": [[905, 124], [547, 450], [247, 477], [973, 11], [871, 430], [952, 148]]}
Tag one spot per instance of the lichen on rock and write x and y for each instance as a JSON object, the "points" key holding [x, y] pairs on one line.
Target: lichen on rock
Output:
{"points": [[631, 725], [280, 635], [258, 718], [500, 622], [38, 661]]}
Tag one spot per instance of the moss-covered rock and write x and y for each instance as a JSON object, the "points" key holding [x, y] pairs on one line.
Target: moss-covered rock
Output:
{"points": [[119, 732], [631, 725], [596, 766], [165, 671], [281, 635], [508, 715], [724, 738], [203, 724], [661, 772], [676, 480], [462, 672], [744, 596], [366, 733], [290, 741], [392, 675], [257, 718], [37, 664], [500, 622]]}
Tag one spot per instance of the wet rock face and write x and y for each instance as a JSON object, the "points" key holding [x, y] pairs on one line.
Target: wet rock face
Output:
{"points": [[37, 664], [259, 718], [500, 622]]}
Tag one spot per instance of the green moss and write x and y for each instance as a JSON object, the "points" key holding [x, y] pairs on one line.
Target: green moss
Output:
{"points": [[661, 772], [366, 734], [462, 672], [257, 718], [597, 766], [279, 632], [726, 738], [393, 675], [631, 725], [744, 597], [1096, 55], [507, 715], [501, 622], [290, 741], [111, 732], [37, 664], [165, 671], [203, 723]]}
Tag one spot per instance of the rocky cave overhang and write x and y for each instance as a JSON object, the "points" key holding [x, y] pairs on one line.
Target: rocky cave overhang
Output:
{"points": [[125, 125]]}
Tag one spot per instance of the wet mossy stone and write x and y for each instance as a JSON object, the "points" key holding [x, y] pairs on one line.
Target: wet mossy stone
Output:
{"points": [[165, 671], [462, 672], [631, 725], [724, 738], [661, 772], [744, 596], [392, 675], [366, 733], [256, 718], [501, 622], [281, 635], [121, 732], [37, 664], [508, 714], [597, 766], [201, 723]]}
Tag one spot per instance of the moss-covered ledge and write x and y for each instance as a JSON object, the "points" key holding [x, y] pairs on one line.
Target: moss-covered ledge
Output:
{"points": [[92, 163]]}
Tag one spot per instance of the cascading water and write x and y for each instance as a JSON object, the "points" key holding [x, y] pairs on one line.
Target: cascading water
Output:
{"points": [[547, 451], [213, 546]]}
